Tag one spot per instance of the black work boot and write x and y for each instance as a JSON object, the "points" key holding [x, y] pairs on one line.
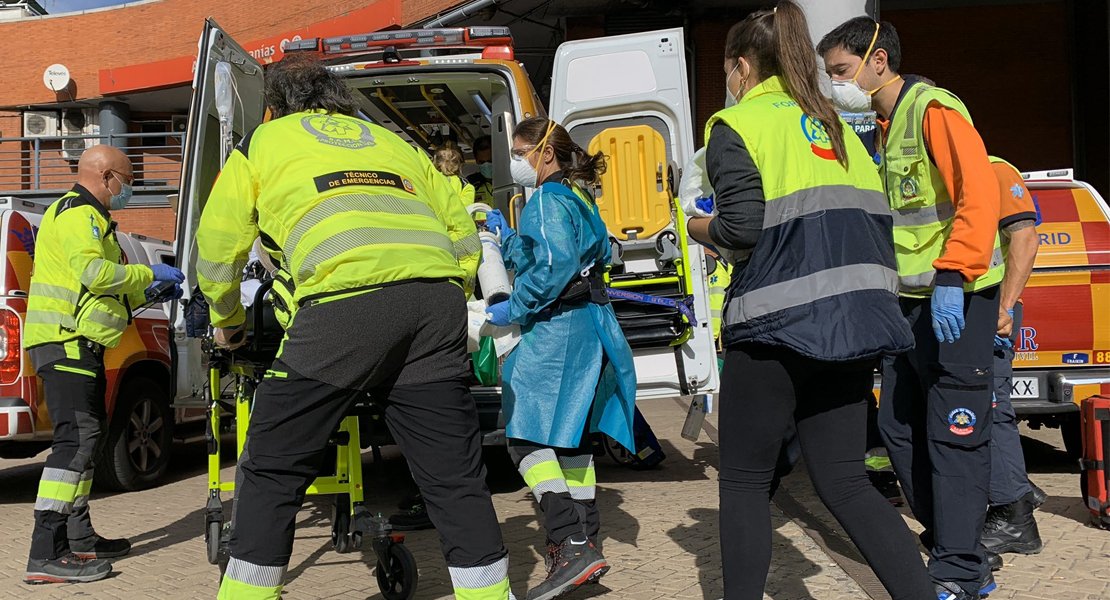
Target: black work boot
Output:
{"points": [[67, 569], [1012, 528], [571, 563], [987, 585], [413, 519], [994, 561], [1037, 496], [98, 547]]}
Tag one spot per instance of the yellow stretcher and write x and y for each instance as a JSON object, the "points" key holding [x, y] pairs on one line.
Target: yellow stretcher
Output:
{"points": [[648, 232], [396, 570]]}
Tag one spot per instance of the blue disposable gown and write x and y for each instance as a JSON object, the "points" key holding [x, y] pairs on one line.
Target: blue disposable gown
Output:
{"points": [[553, 378]]}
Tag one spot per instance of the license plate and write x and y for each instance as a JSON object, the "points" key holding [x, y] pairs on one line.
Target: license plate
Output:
{"points": [[1025, 387]]}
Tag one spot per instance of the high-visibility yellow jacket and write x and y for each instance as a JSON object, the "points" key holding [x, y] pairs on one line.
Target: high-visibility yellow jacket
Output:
{"points": [[340, 204], [80, 286]]}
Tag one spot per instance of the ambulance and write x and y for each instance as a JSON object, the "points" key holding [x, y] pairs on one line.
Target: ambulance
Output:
{"points": [[1063, 350], [627, 96]]}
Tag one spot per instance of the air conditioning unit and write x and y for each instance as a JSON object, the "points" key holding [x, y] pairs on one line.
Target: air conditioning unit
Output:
{"points": [[79, 122], [72, 148], [179, 123], [40, 123]]}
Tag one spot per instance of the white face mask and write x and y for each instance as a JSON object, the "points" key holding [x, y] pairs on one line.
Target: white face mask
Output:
{"points": [[522, 172], [731, 100], [849, 96]]}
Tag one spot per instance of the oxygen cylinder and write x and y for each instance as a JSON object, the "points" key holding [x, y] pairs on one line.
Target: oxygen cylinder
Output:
{"points": [[492, 275]]}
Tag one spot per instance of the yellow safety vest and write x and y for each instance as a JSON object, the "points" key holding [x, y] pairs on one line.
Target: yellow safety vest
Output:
{"points": [[80, 286], [345, 204], [923, 210], [800, 273], [464, 190]]}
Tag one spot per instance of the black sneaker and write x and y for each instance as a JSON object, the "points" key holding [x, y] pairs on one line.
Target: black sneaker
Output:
{"points": [[98, 547], [67, 569], [572, 563], [1037, 496], [950, 591], [415, 519], [987, 585], [1012, 528]]}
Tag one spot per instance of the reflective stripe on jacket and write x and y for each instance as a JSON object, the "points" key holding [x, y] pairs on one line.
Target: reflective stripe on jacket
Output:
{"points": [[79, 284], [345, 204], [822, 278]]}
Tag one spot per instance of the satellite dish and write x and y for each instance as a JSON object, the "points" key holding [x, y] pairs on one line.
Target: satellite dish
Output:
{"points": [[56, 77]]}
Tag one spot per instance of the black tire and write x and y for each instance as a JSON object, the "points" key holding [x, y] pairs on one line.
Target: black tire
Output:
{"points": [[402, 565], [140, 438], [341, 524], [212, 542], [1071, 430]]}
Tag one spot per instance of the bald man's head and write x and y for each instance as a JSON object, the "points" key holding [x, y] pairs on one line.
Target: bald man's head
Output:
{"points": [[103, 170]]}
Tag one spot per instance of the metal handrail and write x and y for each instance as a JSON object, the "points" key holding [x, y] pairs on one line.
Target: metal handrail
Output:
{"points": [[26, 164]]}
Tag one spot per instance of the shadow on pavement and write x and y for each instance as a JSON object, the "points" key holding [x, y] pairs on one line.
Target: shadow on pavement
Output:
{"points": [[789, 567]]}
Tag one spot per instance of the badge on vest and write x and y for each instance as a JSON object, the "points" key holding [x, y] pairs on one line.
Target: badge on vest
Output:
{"points": [[95, 229], [909, 188]]}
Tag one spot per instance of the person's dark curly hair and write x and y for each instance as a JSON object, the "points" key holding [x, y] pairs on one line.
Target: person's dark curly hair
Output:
{"points": [[299, 83]]}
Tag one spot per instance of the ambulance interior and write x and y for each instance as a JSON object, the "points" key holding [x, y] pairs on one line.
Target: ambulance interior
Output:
{"points": [[642, 125]]}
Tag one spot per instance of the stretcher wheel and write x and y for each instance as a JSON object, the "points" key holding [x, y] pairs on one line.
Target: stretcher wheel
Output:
{"points": [[397, 581], [341, 524], [212, 541]]}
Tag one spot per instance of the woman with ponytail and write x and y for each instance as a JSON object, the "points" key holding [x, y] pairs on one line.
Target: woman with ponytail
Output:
{"points": [[572, 373], [812, 310]]}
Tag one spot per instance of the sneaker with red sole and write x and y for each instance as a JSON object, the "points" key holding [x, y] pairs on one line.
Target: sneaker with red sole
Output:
{"points": [[572, 563], [67, 569]]}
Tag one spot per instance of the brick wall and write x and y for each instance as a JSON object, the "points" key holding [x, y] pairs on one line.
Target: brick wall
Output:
{"points": [[709, 54], [149, 32], [1009, 64], [416, 10], [158, 223]]}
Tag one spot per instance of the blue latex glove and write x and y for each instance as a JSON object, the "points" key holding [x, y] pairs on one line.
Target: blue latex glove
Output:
{"points": [[163, 272], [499, 313], [496, 223], [1002, 342], [705, 204], [948, 312]]}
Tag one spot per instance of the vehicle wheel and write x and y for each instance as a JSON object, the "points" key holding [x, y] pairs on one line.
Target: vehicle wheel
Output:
{"points": [[397, 581], [1072, 431], [341, 523], [212, 542], [140, 437]]}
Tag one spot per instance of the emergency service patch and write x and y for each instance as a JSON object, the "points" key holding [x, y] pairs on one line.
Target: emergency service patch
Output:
{"points": [[961, 421], [344, 132], [340, 179]]}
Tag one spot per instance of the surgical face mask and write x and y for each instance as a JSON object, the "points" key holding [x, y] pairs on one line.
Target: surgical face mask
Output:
{"points": [[486, 169], [731, 100], [120, 200], [522, 172]]}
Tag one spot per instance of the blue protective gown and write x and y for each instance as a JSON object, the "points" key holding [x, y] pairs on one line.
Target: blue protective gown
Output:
{"points": [[553, 378]]}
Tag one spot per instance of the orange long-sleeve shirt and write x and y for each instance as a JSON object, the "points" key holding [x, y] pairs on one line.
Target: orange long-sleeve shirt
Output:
{"points": [[959, 154]]}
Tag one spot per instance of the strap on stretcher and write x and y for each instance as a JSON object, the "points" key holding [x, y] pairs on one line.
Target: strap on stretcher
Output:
{"points": [[683, 305]]}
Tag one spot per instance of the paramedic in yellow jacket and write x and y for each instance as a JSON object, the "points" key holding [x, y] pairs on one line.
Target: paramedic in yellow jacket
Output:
{"points": [[379, 250], [80, 303]]}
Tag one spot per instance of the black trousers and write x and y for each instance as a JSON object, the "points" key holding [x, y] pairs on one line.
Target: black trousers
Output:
{"points": [[73, 380], [765, 389], [1009, 479], [414, 332], [935, 418], [568, 506]]}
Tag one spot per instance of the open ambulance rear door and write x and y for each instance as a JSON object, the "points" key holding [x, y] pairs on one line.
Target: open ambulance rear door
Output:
{"points": [[628, 96], [207, 143]]}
